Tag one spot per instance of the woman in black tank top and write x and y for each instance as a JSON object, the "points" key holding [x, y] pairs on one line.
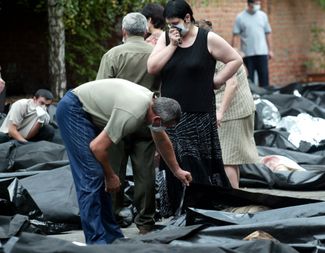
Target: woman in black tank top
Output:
{"points": [[186, 59]]}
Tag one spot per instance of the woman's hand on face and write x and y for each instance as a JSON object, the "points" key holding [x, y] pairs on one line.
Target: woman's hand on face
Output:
{"points": [[174, 36]]}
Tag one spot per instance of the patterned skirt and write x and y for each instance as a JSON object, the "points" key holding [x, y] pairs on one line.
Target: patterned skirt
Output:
{"points": [[237, 141], [197, 148]]}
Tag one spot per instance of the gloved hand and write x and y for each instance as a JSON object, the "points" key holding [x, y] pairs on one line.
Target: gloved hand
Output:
{"points": [[43, 116]]}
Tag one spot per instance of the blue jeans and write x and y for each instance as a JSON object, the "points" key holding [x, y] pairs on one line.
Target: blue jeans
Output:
{"points": [[95, 204], [259, 63]]}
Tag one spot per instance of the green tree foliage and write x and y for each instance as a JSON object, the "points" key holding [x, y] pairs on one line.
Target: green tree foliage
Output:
{"points": [[322, 3], [91, 28], [316, 61]]}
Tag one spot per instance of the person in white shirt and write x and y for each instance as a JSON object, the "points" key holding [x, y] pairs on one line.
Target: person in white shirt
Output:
{"points": [[28, 119]]}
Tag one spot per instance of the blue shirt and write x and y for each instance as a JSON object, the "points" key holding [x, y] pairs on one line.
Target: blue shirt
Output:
{"points": [[252, 29]]}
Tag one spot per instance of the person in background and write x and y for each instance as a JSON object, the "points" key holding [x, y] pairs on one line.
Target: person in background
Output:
{"points": [[129, 61], [2, 94], [91, 118], [253, 28], [185, 57], [28, 119], [235, 120], [156, 21], [156, 24]]}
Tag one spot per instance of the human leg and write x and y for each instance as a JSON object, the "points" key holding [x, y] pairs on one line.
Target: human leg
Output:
{"points": [[118, 158], [232, 172], [262, 67], [250, 67], [45, 133], [142, 158], [94, 203], [238, 146]]}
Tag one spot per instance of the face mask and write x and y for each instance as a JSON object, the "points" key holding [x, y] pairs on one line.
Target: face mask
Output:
{"points": [[256, 7], [181, 29], [157, 128], [41, 106]]}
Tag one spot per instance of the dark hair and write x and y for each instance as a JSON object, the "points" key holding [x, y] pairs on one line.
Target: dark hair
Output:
{"points": [[178, 9], [205, 24], [44, 93], [250, 1], [155, 12]]}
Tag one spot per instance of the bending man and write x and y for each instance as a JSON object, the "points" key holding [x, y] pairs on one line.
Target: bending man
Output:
{"points": [[91, 118]]}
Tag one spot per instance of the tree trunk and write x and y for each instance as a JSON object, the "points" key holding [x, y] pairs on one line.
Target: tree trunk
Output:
{"points": [[57, 71]]}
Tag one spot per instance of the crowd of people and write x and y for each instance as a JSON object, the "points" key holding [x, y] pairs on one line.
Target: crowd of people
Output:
{"points": [[174, 87]]}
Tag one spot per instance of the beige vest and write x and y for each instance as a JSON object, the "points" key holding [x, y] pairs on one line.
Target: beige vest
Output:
{"points": [[242, 103]]}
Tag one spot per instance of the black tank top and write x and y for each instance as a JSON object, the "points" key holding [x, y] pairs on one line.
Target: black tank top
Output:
{"points": [[188, 76]]}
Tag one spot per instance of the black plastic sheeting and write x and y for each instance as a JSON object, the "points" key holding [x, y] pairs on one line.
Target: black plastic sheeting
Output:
{"points": [[12, 226], [39, 244], [291, 221], [15, 156], [273, 138], [259, 176], [314, 92], [51, 206], [316, 158], [37, 195], [298, 223], [216, 198], [279, 139], [293, 105], [292, 215], [56, 196]]}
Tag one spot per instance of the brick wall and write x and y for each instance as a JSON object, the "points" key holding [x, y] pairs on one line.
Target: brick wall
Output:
{"points": [[290, 20]]}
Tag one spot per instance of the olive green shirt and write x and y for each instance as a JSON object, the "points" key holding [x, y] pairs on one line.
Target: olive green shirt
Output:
{"points": [[129, 61], [116, 105]]}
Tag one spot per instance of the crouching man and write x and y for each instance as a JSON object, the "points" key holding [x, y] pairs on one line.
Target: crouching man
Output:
{"points": [[28, 119]]}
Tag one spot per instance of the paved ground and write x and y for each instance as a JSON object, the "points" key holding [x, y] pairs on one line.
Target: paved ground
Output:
{"points": [[78, 236]]}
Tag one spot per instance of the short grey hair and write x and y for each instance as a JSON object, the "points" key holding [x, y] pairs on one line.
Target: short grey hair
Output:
{"points": [[167, 109], [135, 23]]}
